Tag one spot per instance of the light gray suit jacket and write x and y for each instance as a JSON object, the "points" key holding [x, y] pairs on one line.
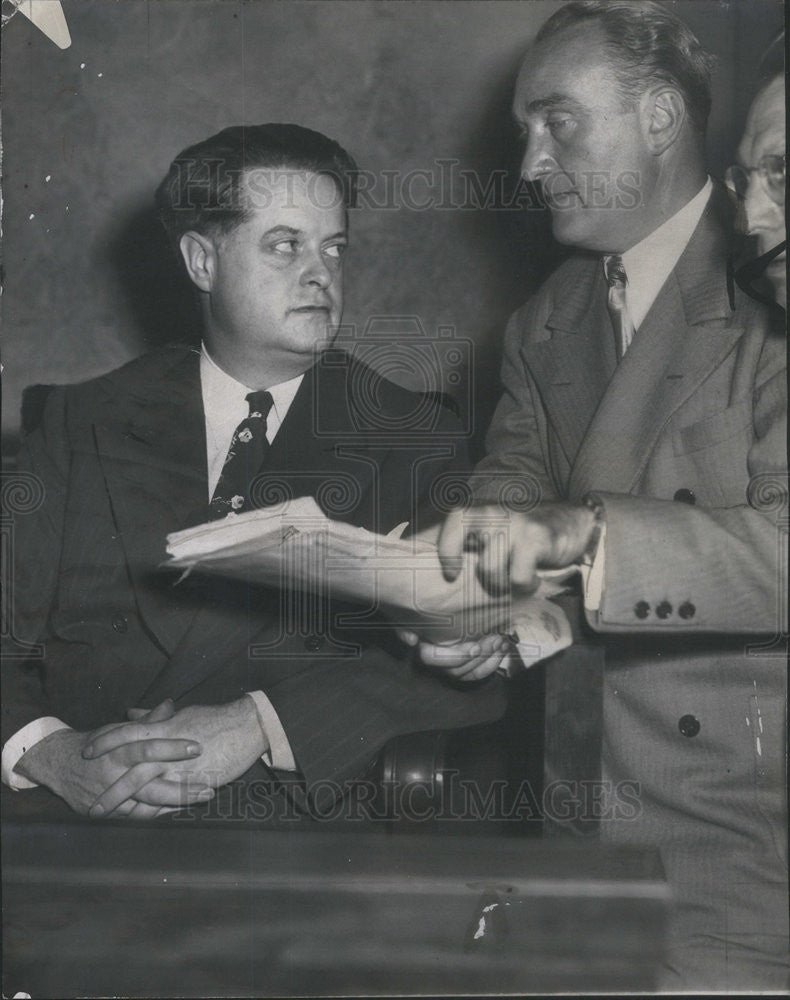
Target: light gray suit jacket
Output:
{"points": [[693, 596]]}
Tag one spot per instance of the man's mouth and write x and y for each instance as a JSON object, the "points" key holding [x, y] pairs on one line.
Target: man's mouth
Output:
{"points": [[310, 309], [559, 193]]}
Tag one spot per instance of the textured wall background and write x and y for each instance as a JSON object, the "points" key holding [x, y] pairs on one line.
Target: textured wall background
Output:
{"points": [[89, 131]]}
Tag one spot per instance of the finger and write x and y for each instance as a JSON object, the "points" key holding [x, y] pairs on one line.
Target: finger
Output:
{"points": [[159, 749], [483, 668], [489, 661], [175, 794], [116, 796], [523, 567], [491, 642], [122, 812], [493, 561], [410, 638], [451, 543], [142, 810], [458, 655], [446, 657], [118, 736], [138, 783], [163, 711]]}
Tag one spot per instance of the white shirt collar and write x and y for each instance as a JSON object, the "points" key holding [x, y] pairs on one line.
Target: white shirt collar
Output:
{"points": [[649, 263], [225, 406]]}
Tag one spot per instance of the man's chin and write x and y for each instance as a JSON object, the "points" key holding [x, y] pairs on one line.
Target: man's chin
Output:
{"points": [[312, 340], [572, 229]]}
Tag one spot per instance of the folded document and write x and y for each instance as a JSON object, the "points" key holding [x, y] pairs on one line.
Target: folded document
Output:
{"points": [[294, 545]]}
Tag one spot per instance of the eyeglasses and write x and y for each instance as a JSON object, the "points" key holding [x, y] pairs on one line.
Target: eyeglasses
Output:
{"points": [[771, 169]]}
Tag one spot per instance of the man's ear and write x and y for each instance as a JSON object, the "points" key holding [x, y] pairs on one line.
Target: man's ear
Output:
{"points": [[664, 114], [200, 257]]}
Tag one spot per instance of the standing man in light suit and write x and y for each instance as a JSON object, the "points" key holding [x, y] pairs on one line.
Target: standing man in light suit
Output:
{"points": [[646, 397]]}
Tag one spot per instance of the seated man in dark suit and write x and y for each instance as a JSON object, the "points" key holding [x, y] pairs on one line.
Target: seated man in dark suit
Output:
{"points": [[218, 678]]}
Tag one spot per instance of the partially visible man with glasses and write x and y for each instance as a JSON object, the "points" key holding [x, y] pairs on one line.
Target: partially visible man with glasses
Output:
{"points": [[758, 181]]}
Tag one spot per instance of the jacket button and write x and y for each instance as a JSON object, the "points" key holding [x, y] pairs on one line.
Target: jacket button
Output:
{"points": [[664, 610], [689, 726], [313, 643], [687, 610], [685, 496], [120, 623], [641, 609]]}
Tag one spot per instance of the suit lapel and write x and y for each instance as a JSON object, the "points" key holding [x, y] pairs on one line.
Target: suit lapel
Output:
{"points": [[572, 369], [153, 455], [322, 451], [686, 334], [305, 456]]}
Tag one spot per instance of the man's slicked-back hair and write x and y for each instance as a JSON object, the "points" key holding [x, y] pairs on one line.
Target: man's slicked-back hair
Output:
{"points": [[203, 189], [648, 45]]}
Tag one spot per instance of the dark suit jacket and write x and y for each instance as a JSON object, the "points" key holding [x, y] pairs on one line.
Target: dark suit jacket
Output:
{"points": [[693, 708], [122, 459]]}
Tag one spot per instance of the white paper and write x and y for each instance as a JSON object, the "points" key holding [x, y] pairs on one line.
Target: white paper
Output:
{"points": [[294, 545]]}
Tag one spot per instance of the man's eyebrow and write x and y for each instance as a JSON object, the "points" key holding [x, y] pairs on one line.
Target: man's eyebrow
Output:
{"points": [[282, 231], [290, 231], [554, 101]]}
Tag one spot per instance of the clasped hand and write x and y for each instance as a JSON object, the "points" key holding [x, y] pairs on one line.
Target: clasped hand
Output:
{"points": [[159, 761], [228, 739]]}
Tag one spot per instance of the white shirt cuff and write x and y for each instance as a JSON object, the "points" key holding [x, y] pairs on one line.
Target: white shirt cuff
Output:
{"points": [[593, 574], [279, 754], [19, 744]]}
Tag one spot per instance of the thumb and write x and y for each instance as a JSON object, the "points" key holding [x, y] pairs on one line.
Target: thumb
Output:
{"points": [[163, 711]]}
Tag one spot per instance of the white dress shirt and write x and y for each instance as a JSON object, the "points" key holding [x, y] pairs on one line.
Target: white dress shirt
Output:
{"points": [[650, 263], [225, 406], [647, 265]]}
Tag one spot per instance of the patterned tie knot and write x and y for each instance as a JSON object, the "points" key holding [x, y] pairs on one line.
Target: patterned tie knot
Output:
{"points": [[614, 270], [260, 403]]}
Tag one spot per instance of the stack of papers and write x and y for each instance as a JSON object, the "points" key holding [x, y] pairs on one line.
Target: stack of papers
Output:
{"points": [[294, 545]]}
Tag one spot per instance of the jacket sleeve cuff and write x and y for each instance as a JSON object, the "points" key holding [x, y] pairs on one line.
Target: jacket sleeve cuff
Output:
{"points": [[19, 744], [593, 574], [279, 755]]}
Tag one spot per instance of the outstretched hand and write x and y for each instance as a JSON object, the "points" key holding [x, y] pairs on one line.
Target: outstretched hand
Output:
{"points": [[512, 545]]}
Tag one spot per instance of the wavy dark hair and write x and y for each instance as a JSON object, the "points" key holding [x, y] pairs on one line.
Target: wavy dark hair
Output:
{"points": [[202, 190]]}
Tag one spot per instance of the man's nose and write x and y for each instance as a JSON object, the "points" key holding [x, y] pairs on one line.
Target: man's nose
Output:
{"points": [[316, 271], [538, 160], [760, 211]]}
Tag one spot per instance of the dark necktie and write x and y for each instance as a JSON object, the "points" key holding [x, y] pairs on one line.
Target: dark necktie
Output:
{"points": [[248, 449], [617, 279]]}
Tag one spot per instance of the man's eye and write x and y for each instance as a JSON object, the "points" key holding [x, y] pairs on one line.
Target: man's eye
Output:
{"points": [[335, 250], [285, 246], [560, 126]]}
